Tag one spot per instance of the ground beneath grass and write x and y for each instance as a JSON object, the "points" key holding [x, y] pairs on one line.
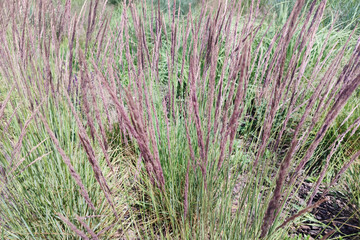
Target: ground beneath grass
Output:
{"points": [[335, 218]]}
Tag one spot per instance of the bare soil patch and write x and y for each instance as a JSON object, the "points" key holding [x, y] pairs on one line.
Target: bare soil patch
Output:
{"points": [[335, 217]]}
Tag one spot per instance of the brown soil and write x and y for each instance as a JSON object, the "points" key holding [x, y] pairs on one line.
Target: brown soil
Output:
{"points": [[337, 218]]}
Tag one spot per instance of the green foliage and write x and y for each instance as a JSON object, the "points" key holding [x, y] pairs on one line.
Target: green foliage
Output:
{"points": [[348, 11]]}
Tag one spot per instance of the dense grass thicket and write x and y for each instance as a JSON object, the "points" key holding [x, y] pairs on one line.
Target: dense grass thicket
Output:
{"points": [[160, 119]]}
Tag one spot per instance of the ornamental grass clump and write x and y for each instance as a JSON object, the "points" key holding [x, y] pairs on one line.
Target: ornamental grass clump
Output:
{"points": [[178, 89]]}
